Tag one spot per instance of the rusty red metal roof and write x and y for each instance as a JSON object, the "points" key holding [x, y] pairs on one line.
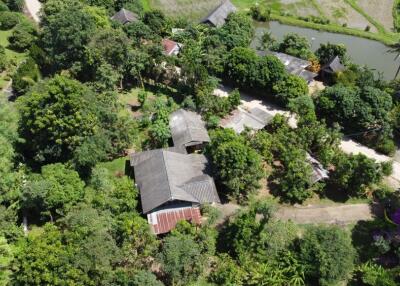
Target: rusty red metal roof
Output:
{"points": [[164, 221], [169, 46]]}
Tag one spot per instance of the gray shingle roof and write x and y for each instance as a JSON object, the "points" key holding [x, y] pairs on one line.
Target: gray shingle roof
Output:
{"points": [[164, 176], [125, 16], [255, 119], [333, 66], [218, 16], [187, 128]]}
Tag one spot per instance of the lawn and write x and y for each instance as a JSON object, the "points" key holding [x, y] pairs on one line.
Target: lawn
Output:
{"points": [[116, 167]]}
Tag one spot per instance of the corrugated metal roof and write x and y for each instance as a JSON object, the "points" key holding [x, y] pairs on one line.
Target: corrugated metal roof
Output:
{"points": [[164, 220], [125, 16], [255, 119], [164, 175], [187, 128], [218, 16]]}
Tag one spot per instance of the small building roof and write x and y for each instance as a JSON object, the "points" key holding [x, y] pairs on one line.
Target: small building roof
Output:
{"points": [[333, 66], [218, 16], [125, 16], [170, 46], [319, 173], [187, 128], [255, 119], [165, 176], [165, 219], [293, 65]]}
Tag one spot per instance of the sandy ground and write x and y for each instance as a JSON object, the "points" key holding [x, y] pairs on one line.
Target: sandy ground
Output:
{"points": [[380, 10], [350, 16], [33, 7]]}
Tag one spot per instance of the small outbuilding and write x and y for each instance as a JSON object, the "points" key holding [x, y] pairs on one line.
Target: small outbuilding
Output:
{"points": [[218, 16], [172, 186], [125, 17], [188, 130], [333, 66], [171, 48], [318, 171], [240, 118]]}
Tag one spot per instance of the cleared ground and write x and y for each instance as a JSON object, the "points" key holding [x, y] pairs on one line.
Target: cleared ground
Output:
{"points": [[192, 9], [380, 10]]}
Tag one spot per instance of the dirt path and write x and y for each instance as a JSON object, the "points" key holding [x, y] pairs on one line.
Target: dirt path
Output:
{"points": [[33, 8], [336, 214], [341, 214]]}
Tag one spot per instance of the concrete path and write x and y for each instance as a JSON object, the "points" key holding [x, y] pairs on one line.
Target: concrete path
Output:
{"points": [[341, 214], [33, 8]]}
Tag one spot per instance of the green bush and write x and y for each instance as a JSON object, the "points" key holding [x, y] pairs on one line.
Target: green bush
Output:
{"points": [[386, 146], [25, 76], [3, 59], [3, 7], [387, 168], [9, 20], [23, 35]]}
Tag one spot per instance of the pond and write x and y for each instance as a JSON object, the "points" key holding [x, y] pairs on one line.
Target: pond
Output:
{"points": [[362, 51]]}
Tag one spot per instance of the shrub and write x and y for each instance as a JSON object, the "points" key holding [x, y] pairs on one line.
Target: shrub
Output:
{"points": [[23, 35], [8, 20], [25, 76], [387, 168], [3, 59], [386, 146]]}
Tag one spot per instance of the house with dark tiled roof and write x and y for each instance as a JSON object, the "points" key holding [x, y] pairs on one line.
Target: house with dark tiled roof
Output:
{"points": [[218, 16], [125, 17], [172, 183], [241, 118]]}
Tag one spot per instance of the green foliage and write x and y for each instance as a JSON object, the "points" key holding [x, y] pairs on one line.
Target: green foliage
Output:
{"points": [[238, 165], [238, 31], [260, 13], [145, 278], [9, 20], [246, 69], [295, 45], [156, 21], [295, 182], [291, 87], [66, 29], [357, 110], [43, 259], [371, 274], [15, 5], [22, 36], [55, 118], [3, 58], [181, 259], [159, 130], [328, 51], [5, 261], [54, 192], [26, 75], [354, 174], [327, 254]]}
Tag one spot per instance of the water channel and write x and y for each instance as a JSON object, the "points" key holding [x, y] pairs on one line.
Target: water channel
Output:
{"points": [[362, 51]]}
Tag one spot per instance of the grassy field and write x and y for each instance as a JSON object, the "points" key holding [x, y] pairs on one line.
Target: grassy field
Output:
{"points": [[12, 56]]}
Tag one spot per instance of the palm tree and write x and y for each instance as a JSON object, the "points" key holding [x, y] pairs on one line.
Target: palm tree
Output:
{"points": [[396, 50]]}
